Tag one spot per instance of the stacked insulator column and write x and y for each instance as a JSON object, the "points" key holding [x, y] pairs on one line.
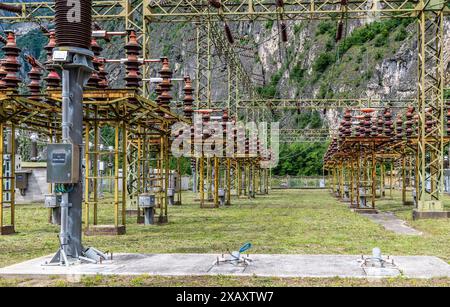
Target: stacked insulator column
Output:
{"points": [[188, 99], [367, 123], [53, 79], [132, 49], [409, 122], [165, 85], [95, 79], [35, 75], [387, 123], [374, 127], [380, 125], [103, 75], [11, 63], [399, 128], [347, 123], [2, 75]]}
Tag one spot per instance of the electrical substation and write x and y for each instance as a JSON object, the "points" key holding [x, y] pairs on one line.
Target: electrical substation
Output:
{"points": [[144, 104]]}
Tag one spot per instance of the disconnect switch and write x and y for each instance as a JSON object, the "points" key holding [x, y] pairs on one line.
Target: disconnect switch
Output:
{"points": [[63, 163]]}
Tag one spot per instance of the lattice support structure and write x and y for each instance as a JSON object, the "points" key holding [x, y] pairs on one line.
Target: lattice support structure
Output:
{"points": [[431, 105], [204, 65]]}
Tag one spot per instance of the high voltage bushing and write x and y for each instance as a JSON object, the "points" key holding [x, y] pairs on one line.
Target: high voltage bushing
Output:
{"points": [[133, 50], [73, 27], [52, 79], [11, 63], [35, 75]]}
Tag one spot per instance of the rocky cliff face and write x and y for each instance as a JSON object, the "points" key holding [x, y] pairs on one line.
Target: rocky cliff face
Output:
{"points": [[309, 65]]}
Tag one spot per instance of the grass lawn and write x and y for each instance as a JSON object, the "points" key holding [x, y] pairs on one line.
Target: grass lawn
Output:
{"points": [[286, 221]]}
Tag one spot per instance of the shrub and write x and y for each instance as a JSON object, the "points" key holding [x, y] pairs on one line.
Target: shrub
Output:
{"points": [[323, 61]]}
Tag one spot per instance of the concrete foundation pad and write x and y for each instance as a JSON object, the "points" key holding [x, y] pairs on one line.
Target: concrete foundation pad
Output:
{"points": [[105, 230], [392, 223], [418, 215], [7, 230], [319, 266]]}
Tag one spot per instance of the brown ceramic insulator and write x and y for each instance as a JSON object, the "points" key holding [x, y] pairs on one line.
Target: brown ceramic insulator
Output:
{"points": [[158, 91], [188, 98], [380, 125], [387, 123], [284, 34], [10, 8], [53, 79], [399, 128], [11, 62], [102, 74], [166, 84], [95, 79], [206, 131], [367, 125], [409, 122], [2, 75], [73, 29], [228, 34], [225, 120], [347, 123], [340, 30], [279, 3], [374, 127], [416, 123], [35, 75], [132, 49], [215, 3]]}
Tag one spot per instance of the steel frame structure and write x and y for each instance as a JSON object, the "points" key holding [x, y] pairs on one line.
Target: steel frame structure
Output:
{"points": [[428, 13]]}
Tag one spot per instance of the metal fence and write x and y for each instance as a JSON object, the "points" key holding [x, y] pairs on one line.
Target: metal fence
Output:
{"points": [[300, 182]]}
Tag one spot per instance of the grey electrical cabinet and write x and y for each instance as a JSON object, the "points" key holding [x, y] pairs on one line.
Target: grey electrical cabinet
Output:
{"points": [[63, 163], [22, 179]]}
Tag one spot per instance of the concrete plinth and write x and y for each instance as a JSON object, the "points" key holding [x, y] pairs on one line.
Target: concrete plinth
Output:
{"points": [[296, 266], [105, 230], [418, 215], [7, 230]]}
